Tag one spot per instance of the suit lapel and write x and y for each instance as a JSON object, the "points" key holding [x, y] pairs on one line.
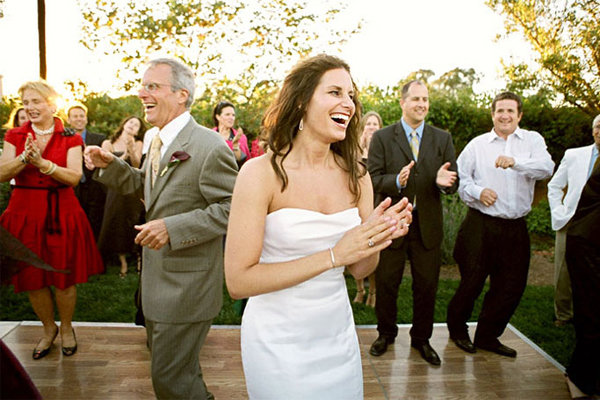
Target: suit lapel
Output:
{"points": [[402, 141], [179, 143], [584, 164], [426, 145]]}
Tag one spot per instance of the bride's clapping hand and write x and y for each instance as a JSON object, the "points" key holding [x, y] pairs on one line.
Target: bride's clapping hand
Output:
{"points": [[401, 212], [365, 239]]}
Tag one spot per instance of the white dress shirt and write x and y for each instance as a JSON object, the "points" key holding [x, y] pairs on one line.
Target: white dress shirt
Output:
{"points": [[514, 186], [169, 131]]}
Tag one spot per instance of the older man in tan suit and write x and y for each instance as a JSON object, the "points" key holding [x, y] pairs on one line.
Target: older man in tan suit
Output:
{"points": [[187, 181]]}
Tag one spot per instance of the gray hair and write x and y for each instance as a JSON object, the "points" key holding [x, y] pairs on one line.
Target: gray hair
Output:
{"points": [[596, 120], [182, 77]]}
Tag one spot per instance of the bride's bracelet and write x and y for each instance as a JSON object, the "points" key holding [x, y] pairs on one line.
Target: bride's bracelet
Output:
{"points": [[332, 257]]}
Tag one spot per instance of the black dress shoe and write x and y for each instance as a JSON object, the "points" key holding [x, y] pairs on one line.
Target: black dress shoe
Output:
{"points": [[380, 346], [497, 348], [427, 352], [465, 344]]}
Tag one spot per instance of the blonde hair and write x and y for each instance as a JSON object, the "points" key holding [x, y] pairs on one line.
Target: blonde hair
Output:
{"points": [[43, 88]]}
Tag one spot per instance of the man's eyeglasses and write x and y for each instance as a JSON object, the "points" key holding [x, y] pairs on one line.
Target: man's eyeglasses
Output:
{"points": [[152, 86]]}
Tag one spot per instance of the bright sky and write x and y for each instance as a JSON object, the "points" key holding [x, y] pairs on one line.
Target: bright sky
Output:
{"points": [[398, 37]]}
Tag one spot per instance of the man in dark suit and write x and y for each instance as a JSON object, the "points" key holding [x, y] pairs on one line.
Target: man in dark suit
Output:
{"points": [[583, 262], [91, 194], [415, 160], [187, 180]]}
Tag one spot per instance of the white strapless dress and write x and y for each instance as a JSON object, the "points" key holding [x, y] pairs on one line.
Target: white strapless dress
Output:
{"points": [[300, 342]]}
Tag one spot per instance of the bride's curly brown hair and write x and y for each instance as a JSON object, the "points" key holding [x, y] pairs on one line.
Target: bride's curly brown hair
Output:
{"points": [[280, 123]]}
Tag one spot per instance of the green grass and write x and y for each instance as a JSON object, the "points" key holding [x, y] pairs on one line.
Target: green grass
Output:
{"points": [[108, 298]]}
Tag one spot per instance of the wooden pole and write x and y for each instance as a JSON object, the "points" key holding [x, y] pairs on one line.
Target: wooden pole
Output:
{"points": [[42, 36]]}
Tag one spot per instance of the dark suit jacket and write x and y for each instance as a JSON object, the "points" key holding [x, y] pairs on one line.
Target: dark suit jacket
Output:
{"points": [[92, 139], [389, 151], [586, 221], [183, 281], [92, 194]]}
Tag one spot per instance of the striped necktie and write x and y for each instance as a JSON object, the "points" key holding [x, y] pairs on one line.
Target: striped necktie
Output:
{"points": [[414, 144], [155, 156]]}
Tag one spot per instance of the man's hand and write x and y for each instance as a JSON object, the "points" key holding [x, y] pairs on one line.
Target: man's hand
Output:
{"points": [[96, 157], [488, 197], [153, 234], [445, 177], [405, 173], [505, 162]]}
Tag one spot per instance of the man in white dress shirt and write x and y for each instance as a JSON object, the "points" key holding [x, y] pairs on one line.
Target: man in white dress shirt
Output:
{"points": [[571, 175], [497, 173]]}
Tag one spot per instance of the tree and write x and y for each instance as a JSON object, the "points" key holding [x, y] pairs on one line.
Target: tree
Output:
{"points": [[565, 36], [249, 41]]}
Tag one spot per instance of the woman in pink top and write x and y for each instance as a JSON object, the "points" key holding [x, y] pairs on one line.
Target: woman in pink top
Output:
{"points": [[224, 119]]}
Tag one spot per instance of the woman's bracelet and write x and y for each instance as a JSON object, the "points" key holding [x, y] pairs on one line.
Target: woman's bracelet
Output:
{"points": [[50, 169], [332, 257], [22, 157], [236, 148]]}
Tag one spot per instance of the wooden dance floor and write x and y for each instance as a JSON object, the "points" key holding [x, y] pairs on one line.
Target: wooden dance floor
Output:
{"points": [[113, 363]]}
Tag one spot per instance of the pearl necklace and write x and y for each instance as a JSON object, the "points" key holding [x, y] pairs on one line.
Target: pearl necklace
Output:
{"points": [[42, 132]]}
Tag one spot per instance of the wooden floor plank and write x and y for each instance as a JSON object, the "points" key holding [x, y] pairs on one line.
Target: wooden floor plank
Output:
{"points": [[113, 363]]}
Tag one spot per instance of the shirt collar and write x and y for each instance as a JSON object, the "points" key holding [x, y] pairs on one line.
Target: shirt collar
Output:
{"points": [[169, 131], [408, 129], [492, 135]]}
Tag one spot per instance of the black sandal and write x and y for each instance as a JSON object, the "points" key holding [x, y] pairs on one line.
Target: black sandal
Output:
{"points": [[37, 354], [69, 351]]}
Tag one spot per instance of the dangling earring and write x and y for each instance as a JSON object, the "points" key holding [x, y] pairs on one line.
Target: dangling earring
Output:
{"points": [[301, 125]]}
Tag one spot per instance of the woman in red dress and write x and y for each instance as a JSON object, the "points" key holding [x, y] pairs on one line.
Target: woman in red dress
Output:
{"points": [[44, 214]]}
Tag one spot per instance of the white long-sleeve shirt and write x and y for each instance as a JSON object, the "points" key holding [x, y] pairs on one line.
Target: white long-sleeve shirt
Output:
{"points": [[514, 186]]}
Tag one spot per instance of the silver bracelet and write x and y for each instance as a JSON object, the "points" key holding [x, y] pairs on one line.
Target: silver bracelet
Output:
{"points": [[22, 157], [332, 257]]}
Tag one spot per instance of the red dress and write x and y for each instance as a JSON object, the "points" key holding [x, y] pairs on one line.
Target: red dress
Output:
{"points": [[46, 216]]}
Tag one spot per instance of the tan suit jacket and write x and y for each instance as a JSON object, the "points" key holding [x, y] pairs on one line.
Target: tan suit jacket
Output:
{"points": [[183, 281]]}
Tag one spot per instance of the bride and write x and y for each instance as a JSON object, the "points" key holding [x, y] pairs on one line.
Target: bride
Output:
{"points": [[287, 243]]}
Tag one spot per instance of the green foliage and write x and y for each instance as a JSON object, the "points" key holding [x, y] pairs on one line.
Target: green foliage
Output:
{"points": [[217, 39], [105, 114], [454, 212], [4, 195], [538, 220], [565, 35]]}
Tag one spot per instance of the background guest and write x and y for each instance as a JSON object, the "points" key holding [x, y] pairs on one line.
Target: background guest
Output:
{"points": [[45, 215], [122, 212], [427, 151], [91, 194], [18, 117], [570, 177], [224, 119], [370, 123], [498, 171]]}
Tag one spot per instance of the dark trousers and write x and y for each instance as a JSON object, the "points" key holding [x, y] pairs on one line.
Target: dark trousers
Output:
{"points": [[498, 248], [425, 270], [583, 262]]}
